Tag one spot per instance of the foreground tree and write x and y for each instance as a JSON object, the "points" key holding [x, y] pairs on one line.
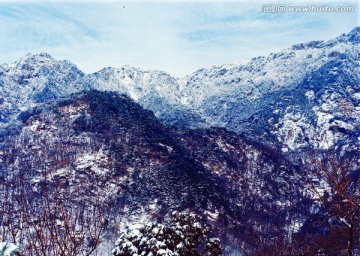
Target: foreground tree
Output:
{"points": [[183, 235], [334, 183], [55, 220]]}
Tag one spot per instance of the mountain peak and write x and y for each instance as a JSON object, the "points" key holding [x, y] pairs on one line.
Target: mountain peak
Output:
{"points": [[354, 35], [40, 63], [37, 56], [30, 61]]}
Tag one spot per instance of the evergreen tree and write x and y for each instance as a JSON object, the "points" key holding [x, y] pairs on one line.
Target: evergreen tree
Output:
{"points": [[183, 235]]}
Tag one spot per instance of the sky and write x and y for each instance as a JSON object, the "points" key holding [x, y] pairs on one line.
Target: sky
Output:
{"points": [[178, 37]]}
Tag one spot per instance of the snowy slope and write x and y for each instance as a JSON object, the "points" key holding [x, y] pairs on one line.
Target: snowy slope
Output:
{"points": [[153, 89], [33, 79], [288, 98]]}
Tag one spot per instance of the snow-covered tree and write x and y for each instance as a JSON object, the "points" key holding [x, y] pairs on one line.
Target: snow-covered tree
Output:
{"points": [[9, 249], [184, 234]]}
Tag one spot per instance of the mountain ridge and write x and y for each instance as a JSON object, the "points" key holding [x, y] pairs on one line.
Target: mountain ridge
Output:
{"points": [[229, 96]]}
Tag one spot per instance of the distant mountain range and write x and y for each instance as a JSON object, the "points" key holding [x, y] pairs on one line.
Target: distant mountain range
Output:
{"points": [[306, 95]]}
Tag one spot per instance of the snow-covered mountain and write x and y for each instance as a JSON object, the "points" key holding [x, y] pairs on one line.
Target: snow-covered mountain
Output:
{"points": [[33, 79], [306, 95], [39, 77], [154, 90]]}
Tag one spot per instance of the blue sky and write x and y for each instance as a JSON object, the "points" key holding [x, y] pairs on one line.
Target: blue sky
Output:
{"points": [[176, 36]]}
